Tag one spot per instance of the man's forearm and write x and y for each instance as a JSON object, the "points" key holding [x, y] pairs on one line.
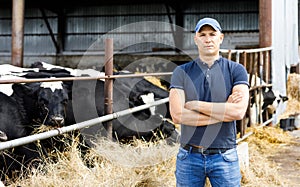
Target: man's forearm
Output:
{"points": [[219, 111], [233, 109], [194, 118]]}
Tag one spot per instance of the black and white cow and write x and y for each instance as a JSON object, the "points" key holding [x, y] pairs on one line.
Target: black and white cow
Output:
{"points": [[269, 100], [43, 103], [27, 107], [12, 126], [87, 102], [88, 96]]}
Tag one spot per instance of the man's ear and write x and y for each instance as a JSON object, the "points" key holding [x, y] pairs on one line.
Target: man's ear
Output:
{"points": [[221, 38], [195, 40]]}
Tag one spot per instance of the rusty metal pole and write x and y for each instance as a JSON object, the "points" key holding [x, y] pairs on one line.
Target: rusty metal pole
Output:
{"points": [[108, 85], [265, 23], [17, 32]]}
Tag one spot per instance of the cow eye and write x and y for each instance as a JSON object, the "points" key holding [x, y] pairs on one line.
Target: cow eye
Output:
{"points": [[65, 102], [43, 101]]}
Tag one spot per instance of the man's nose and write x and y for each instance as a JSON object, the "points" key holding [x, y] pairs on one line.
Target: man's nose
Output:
{"points": [[207, 39]]}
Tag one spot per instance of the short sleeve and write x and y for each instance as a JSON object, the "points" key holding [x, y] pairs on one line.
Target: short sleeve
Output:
{"points": [[177, 79], [240, 75]]}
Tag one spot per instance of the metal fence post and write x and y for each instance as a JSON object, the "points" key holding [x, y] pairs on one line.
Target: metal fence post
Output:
{"points": [[108, 86]]}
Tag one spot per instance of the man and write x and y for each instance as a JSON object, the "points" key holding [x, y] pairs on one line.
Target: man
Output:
{"points": [[207, 95]]}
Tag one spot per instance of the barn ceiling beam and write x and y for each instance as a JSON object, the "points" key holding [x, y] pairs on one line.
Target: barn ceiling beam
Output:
{"points": [[50, 30], [61, 30], [179, 28], [177, 32], [171, 22]]}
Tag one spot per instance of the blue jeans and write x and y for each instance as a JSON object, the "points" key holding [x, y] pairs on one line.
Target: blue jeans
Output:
{"points": [[222, 169]]}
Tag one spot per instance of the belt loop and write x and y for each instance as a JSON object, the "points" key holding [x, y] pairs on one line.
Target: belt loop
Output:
{"points": [[190, 149]]}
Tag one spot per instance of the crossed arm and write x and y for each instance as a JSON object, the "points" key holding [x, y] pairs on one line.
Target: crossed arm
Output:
{"points": [[201, 113]]}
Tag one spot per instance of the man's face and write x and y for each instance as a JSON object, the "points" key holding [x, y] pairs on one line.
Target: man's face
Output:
{"points": [[208, 41]]}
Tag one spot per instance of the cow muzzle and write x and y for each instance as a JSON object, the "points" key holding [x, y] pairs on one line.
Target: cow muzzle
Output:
{"points": [[58, 121], [3, 136]]}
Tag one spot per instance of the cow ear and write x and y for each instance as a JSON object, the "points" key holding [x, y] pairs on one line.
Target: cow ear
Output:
{"points": [[68, 86], [283, 98], [21, 89]]}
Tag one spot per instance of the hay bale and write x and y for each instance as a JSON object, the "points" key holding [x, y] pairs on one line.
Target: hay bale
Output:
{"points": [[147, 165], [156, 81], [293, 86], [293, 92]]}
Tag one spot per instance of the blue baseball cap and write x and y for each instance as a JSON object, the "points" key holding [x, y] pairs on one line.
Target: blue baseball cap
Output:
{"points": [[208, 21]]}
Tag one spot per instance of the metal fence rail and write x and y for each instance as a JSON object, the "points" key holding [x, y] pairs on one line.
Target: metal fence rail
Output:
{"points": [[88, 123], [11, 81]]}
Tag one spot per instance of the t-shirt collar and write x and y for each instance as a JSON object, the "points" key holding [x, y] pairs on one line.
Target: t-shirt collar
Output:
{"points": [[203, 64]]}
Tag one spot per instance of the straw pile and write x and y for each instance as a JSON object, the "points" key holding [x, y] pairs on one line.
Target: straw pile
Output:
{"points": [[147, 164], [293, 92], [293, 86], [156, 81], [262, 145]]}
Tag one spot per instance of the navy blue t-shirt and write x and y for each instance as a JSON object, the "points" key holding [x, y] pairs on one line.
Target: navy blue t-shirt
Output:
{"points": [[211, 84]]}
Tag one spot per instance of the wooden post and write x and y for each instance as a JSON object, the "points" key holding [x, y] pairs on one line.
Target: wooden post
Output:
{"points": [[108, 85], [17, 37], [265, 23], [245, 60], [229, 54], [268, 66], [243, 124]]}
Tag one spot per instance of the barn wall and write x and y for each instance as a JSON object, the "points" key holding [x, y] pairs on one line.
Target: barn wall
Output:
{"points": [[84, 26]]}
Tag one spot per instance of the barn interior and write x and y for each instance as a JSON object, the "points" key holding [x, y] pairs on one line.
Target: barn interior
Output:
{"points": [[68, 34], [72, 34]]}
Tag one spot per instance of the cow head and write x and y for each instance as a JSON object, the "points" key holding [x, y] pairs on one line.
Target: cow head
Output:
{"points": [[52, 100], [140, 91], [275, 98], [270, 101], [44, 102], [268, 97], [169, 132]]}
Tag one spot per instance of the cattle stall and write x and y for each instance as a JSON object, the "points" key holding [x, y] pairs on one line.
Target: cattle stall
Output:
{"points": [[256, 61], [77, 126], [258, 65], [30, 138], [88, 123]]}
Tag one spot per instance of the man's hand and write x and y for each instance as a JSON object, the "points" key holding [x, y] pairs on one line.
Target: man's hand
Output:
{"points": [[192, 105], [235, 97]]}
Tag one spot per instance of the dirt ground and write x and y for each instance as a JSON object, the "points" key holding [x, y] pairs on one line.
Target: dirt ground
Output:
{"points": [[288, 160]]}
